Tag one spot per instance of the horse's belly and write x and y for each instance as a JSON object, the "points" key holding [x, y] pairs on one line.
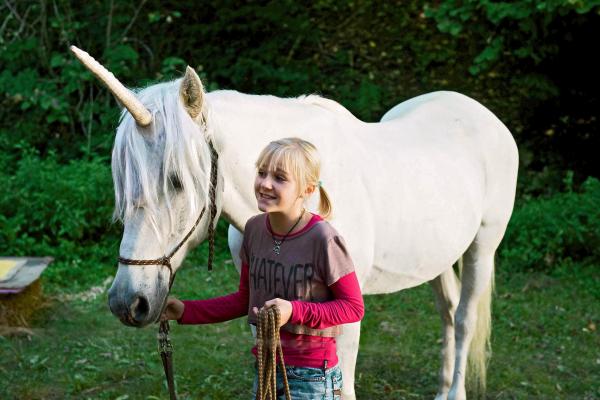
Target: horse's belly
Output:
{"points": [[386, 281], [422, 231], [416, 259]]}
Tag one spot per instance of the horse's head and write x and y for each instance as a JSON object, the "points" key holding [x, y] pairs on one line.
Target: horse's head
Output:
{"points": [[161, 165]]}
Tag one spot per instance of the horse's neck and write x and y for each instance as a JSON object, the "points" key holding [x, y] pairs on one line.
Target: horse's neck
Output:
{"points": [[244, 125], [239, 133]]}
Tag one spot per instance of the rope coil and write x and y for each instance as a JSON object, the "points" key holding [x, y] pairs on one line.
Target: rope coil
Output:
{"points": [[269, 347]]}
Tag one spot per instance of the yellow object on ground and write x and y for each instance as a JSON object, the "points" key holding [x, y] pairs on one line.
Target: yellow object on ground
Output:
{"points": [[8, 268]]}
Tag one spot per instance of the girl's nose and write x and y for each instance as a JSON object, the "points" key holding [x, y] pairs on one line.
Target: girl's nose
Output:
{"points": [[266, 182]]}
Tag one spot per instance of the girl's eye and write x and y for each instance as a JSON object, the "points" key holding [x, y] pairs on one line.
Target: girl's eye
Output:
{"points": [[280, 178], [261, 173]]}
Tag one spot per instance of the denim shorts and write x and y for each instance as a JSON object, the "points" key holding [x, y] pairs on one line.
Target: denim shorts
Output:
{"points": [[308, 383]]}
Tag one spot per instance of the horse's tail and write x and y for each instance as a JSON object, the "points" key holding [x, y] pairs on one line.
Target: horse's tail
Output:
{"points": [[480, 349]]}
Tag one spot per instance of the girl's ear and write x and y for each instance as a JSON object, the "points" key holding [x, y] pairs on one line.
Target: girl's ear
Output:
{"points": [[310, 189]]}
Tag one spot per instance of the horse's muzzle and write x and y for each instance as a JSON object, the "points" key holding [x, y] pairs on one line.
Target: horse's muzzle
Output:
{"points": [[133, 310]]}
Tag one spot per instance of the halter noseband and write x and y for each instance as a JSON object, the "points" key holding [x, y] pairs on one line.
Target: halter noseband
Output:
{"points": [[166, 260]]}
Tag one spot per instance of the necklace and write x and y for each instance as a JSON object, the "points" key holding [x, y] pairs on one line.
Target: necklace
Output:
{"points": [[278, 243]]}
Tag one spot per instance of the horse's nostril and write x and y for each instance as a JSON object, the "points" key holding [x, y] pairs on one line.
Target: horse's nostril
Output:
{"points": [[140, 308]]}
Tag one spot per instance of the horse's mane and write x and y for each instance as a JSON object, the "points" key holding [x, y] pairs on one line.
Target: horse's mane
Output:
{"points": [[141, 181], [230, 97], [327, 104]]}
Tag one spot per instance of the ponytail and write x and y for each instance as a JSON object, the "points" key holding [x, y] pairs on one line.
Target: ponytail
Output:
{"points": [[325, 208]]}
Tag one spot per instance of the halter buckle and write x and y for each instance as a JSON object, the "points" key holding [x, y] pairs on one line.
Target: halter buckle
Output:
{"points": [[166, 261]]}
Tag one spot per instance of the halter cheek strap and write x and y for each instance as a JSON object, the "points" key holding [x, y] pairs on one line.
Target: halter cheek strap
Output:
{"points": [[166, 260]]}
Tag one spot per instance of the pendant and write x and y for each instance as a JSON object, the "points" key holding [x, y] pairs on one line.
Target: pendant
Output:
{"points": [[277, 248]]}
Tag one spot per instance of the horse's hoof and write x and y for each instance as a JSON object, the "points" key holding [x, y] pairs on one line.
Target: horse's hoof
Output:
{"points": [[457, 395]]}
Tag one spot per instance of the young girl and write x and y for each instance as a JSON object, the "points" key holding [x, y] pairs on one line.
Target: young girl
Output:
{"points": [[296, 260]]}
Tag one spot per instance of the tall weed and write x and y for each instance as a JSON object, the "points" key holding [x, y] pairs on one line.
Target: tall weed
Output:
{"points": [[543, 232]]}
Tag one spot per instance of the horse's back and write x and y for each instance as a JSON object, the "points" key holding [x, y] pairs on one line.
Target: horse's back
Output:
{"points": [[447, 112], [446, 125], [407, 106]]}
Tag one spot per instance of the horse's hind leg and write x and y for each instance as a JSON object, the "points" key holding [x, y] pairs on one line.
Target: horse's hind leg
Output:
{"points": [[347, 350], [446, 289], [472, 317]]}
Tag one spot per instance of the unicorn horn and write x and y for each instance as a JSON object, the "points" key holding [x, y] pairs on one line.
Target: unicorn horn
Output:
{"points": [[142, 116]]}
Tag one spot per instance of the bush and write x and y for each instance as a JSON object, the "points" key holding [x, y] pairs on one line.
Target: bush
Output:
{"points": [[544, 232], [516, 29], [63, 211]]}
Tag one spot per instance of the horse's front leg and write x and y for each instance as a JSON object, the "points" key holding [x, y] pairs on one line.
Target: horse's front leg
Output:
{"points": [[447, 292], [347, 350], [235, 239]]}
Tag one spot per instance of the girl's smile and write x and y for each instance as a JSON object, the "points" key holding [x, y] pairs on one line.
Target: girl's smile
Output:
{"points": [[266, 196], [276, 191]]}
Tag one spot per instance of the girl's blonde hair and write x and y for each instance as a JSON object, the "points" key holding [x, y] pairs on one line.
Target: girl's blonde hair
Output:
{"points": [[300, 159]]}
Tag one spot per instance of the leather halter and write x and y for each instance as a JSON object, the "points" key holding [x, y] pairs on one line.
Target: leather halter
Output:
{"points": [[164, 344], [166, 259]]}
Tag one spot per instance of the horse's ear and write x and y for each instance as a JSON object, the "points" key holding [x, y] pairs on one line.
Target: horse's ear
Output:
{"points": [[192, 92]]}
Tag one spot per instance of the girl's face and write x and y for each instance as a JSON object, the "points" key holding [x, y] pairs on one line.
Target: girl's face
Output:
{"points": [[277, 191]]}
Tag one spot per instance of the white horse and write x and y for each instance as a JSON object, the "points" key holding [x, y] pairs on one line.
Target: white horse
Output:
{"points": [[432, 183]]}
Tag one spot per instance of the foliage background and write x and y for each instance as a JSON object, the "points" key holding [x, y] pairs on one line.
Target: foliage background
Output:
{"points": [[527, 61], [530, 62]]}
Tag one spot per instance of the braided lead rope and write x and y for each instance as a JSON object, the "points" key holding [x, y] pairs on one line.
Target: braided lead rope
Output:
{"points": [[214, 157], [268, 333], [165, 347], [259, 356]]}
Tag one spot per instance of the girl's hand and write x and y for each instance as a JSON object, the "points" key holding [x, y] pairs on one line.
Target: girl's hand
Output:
{"points": [[173, 309], [285, 309]]}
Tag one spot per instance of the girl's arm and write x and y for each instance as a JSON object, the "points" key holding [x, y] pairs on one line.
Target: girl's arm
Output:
{"points": [[219, 309], [347, 307]]}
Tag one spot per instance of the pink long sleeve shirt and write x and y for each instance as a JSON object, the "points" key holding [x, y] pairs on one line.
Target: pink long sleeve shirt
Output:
{"points": [[302, 350]]}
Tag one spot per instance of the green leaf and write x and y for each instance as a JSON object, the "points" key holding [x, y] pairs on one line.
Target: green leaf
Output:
{"points": [[57, 60]]}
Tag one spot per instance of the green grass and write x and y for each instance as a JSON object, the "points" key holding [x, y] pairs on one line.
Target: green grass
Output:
{"points": [[544, 345]]}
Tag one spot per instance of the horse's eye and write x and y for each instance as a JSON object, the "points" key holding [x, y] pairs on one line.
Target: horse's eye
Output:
{"points": [[175, 183]]}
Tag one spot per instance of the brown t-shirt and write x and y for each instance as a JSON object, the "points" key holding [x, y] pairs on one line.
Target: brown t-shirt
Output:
{"points": [[309, 262]]}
